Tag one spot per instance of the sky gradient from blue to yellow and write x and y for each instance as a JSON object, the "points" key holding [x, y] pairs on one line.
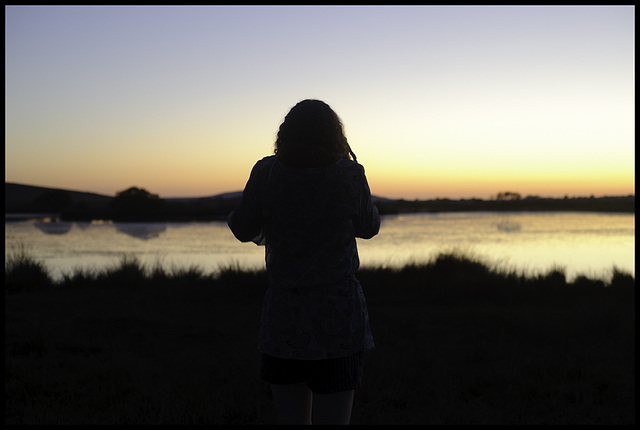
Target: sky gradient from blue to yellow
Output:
{"points": [[449, 102]]}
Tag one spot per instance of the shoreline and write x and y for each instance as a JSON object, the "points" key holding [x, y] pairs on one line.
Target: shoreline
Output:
{"points": [[81, 206], [23, 272], [61, 217]]}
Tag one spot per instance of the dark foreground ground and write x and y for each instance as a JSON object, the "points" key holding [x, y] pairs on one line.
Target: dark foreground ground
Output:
{"points": [[457, 343]]}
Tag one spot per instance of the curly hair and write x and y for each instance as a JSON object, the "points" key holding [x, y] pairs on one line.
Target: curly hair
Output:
{"points": [[312, 135]]}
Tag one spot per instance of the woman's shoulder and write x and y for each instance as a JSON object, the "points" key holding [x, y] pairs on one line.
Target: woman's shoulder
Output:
{"points": [[268, 160], [343, 164], [349, 165], [264, 164], [346, 162]]}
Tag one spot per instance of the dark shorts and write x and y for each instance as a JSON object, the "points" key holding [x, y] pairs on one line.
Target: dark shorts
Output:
{"points": [[331, 375]]}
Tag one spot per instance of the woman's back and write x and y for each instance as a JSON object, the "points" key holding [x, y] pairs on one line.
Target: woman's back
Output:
{"points": [[311, 219]]}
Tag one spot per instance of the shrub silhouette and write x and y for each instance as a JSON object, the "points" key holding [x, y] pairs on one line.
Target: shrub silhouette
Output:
{"points": [[23, 273], [136, 204]]}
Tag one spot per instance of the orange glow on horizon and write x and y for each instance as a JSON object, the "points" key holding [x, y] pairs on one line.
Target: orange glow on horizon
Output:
{"points": [[485, 185]]}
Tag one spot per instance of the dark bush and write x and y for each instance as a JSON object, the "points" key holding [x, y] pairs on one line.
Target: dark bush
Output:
{"points": [[22, 272]]}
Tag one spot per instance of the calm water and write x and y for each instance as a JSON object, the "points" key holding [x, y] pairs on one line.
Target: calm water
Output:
{"points": [[531, 242]]}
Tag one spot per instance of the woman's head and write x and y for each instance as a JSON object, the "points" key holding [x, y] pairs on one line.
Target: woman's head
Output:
{"points": [[312, 135]]}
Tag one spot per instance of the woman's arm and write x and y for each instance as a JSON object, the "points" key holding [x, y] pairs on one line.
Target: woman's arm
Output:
{"points": [[246, 220]]}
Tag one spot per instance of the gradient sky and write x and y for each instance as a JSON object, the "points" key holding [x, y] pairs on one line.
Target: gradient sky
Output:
{"points": [[451, 102]]}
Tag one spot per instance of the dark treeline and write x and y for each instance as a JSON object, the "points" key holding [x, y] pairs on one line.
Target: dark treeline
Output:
{"points": [[530, 203], [138, 204], [135, 204], [218, 208], [132, 204]]}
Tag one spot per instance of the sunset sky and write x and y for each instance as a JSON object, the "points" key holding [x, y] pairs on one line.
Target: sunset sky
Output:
{"points": [[450, 102]]}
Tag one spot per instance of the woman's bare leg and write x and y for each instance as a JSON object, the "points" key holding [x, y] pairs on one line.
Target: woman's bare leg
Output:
{"points": [[333, 408], [293, 403]]}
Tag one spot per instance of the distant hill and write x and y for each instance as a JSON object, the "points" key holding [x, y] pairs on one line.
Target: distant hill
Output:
{"points": [[25, 201], [21, 198], [232, 195]]}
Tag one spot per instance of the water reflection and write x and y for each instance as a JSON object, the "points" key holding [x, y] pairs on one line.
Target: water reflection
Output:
{"points": [[143, 231], [508, 226], [54, 227], [83, 225], [532, 242]]}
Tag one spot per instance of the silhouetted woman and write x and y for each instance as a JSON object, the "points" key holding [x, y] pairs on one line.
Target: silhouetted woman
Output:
{"points": [[307, 204]]}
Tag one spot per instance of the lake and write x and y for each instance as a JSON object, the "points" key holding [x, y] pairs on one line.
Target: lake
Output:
{"points": [[530, 242]]}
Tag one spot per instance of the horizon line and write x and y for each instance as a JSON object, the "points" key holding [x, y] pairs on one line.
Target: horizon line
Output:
{"points": [[373, 195]]}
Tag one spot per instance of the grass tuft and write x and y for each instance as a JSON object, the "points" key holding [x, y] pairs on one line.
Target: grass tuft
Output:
{"points": [[22, 272]]}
